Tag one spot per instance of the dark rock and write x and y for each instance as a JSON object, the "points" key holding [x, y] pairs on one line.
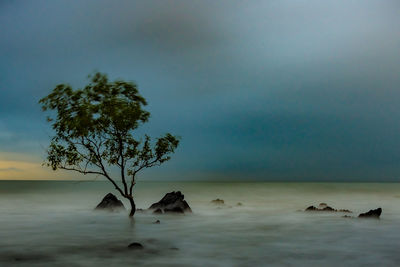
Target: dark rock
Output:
{"points": [[347, 216], [325, 207], [135, 246], [111, 203], [371, 214], [311, 208], [218, 201], [175, 209], [239, 204], [172, 202], [157, 222]]}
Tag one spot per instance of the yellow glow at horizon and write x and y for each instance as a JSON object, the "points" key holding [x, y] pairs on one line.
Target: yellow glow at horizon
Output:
{"points": [[25, 170]]}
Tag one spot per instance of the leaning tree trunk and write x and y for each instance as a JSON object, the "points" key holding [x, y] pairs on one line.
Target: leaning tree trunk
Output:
{"points": [[133, 207]]}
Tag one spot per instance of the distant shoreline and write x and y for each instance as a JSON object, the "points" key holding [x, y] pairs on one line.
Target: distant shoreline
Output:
{"points": [[206, 181]]}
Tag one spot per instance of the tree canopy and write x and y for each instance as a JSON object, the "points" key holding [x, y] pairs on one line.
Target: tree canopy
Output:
{"points": [[95, 130]]}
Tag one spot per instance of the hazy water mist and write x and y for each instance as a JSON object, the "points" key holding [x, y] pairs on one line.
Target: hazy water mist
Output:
{"points": [[53, 224]]}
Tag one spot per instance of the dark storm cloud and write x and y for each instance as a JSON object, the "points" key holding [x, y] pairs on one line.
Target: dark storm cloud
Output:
{"points": [[44, 41], [260, 89]]}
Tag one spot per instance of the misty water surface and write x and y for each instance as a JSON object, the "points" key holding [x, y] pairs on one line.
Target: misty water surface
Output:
{"points": [[53, 224]]}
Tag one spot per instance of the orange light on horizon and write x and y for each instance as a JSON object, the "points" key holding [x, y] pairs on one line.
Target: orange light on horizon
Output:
{"points": [[26, 170]]}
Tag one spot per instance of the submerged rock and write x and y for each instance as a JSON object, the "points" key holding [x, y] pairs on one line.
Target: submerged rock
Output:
{"points": [[345, 210], [157, 222], [218, 201], [111, 203], [135, 246], [171, 203], [371, 214], [325, 207], [239, 204]]}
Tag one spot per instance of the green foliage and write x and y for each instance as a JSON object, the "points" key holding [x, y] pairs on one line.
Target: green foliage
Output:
{"points": [[94, 130]]}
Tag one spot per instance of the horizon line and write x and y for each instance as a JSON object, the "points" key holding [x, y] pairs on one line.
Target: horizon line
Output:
{"points": [[202, 181]]}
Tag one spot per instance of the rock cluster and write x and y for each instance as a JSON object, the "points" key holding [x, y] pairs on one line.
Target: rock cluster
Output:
{"points": [[325, 207], [171, 203]]}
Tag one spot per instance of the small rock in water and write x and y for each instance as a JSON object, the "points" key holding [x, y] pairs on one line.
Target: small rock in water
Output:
{"points": [[239, 204], [218, 201], [371, 214], [157, 222], [347, 216], [311, 208], [110, 202], [135, 246]]}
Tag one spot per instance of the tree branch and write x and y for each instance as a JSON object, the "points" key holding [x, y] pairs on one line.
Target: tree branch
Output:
{"points": [[144, 165], [80, 171], [99, 159]]}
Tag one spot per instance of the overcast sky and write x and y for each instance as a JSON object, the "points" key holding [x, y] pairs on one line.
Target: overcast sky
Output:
{"points": [[258, 90]]}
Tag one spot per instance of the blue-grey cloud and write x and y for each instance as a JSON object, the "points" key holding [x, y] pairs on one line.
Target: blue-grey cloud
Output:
{"points": [[264, 90]]}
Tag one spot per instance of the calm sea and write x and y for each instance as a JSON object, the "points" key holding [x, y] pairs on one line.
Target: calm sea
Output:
{"points": [[52, 223]]}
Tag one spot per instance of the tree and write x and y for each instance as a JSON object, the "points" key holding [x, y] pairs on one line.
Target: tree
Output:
{"points": [[95, 132]]}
